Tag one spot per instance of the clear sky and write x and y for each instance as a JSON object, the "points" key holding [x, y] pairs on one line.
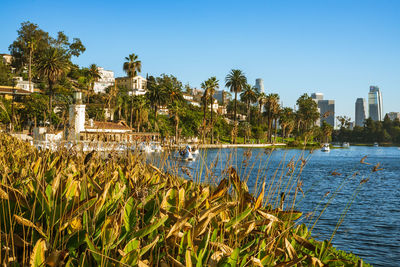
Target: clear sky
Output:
{"points": [[336, 47]]}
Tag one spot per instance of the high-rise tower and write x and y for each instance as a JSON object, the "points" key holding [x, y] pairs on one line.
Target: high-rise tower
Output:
{"points": [[260, 85], [326, 109], [361, 111], [375, 103]]}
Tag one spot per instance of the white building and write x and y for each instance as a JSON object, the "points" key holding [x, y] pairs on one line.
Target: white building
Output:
{"points": [[106, 80], [135, 85], [190, 100], [24, 84]]}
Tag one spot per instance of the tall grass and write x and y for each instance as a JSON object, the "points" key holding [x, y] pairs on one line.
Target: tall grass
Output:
{"points": [[66, 208]]}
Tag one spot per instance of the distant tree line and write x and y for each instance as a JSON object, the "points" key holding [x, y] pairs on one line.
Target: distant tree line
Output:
{"points": [[386, 131]]}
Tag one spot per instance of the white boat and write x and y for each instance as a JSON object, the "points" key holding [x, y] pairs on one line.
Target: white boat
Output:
{"points": [[325, 148], [346, 144], [143, 147], [156, 148], [376, 144], [195, 151], [186, 154]]}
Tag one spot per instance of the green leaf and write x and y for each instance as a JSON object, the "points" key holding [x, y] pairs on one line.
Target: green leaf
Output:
{"points": [[94, 251], [238, 218], [132, 245], [130, 215], [233, 259], [150, 228], [38, 254]]}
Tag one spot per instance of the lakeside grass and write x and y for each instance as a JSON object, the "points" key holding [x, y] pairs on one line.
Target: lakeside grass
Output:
{"points": [[67, 208]]}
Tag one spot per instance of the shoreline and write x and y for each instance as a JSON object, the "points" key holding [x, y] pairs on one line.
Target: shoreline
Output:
{"points": [[240, 145]]}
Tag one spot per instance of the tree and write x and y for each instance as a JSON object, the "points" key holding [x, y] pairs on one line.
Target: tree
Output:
{"points": [[235, 81], [344, 121], [326, 130], [286, 120], [209, 87], [307, 112], [249, 96], [132, 66], [204, 99], [52, 66], [155, 94], [93, 76], [30, 43], [272, 109], [261, 98], [5, 74]]}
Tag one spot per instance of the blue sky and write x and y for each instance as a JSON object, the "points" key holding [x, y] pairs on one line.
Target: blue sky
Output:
{"points": [[336, 47]]}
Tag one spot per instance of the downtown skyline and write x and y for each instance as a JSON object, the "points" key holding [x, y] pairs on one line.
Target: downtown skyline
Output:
{"points": [[337, 48]]}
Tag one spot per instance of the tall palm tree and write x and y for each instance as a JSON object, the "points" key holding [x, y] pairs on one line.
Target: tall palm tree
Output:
{"points": [[132, 66], [286, 120], [235, 81], [212, 86], [156, 95], [52, 66], [272, 109], [249, 96], [93, 76], [204, 86]]}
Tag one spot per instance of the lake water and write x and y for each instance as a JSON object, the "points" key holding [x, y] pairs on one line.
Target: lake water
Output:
{"points": [[371, 227]]}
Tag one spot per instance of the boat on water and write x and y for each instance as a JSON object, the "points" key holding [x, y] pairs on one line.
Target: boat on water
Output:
{"points": [[145, 147], [346, 144], [325, 148], [376, 144], [156, 148], [186, 154]]}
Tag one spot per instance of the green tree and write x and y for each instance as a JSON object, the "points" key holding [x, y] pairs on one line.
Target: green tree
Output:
{"points": [[287, 120], [132, 66], [272, 109], [52, 66], [249, 96], [307, 112], [93, 75], [210, 86], [235, 81]]}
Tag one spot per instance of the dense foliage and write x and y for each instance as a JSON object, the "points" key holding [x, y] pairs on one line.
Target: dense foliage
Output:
{"points": [[66, 209], [386, 131]]}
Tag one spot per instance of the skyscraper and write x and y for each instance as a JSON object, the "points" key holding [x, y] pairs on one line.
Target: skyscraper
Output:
{"points": [[326, 108], [260, 85], [361, 111], [375, 103]]}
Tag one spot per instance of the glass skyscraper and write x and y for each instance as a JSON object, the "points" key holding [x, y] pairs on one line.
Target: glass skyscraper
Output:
{"points": [[375, 103], [361, 111]]}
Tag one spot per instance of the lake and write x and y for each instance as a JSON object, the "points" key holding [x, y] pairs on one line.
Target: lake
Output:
{"points": [[371, 226]]}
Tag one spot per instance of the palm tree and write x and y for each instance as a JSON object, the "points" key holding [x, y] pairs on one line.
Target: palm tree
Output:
{"points": [[261, 97], [204, 86], [212, 85], [52, 66], [286, 120], [132, 66], [235, 81], [271, 111], [93, 75], [156, 95], [249, 96]]}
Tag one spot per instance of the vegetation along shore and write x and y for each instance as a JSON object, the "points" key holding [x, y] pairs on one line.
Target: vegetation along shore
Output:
{"points": [[65, 208]]}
